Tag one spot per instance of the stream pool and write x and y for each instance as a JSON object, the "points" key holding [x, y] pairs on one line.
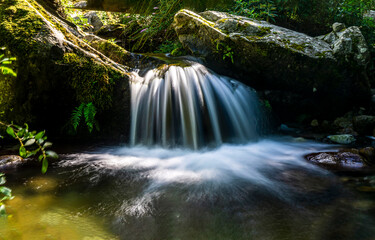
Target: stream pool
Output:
{"points": [[260, 190]]}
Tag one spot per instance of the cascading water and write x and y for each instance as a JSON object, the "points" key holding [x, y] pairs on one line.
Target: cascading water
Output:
{"points": [[193, 107], [261, 189]]}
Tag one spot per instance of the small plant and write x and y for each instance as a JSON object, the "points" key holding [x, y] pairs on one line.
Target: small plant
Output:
{"points": [[225, 50], [257, 9], [159, 23], [173, 47], [5, 194], [32, 143], [87, 112], [4, 69]]}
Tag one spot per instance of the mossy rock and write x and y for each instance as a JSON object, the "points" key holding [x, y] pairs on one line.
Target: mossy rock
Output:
{"points": [[271, 58], [57, 71]]}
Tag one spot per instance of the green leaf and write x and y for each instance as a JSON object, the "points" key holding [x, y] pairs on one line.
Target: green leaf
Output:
{"points": [[2, 180], [3, 212], [39, 135], [30, 142], [21, 133], [76, 116], [10, 131], [47, 144], [44, 166], [7, 71], [40, 141], [23, 151], [41, 157], [52, 154], [7, 192], [89, 113]]}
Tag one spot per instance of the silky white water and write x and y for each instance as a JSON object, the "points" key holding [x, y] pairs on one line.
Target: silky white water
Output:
{"points": [[197, 168], [191, 106], [227, 172]]}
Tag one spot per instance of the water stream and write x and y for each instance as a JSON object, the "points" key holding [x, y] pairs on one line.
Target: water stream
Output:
{"points": [[197, 168], [193, 107]]}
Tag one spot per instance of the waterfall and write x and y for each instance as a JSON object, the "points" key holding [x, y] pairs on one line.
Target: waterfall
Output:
{"points": [[191, 106]]}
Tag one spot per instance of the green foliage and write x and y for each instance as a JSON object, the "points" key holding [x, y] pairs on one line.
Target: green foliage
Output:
{"points": [[6, 82], [4, 65], [32, 143], [225, 50], [92, 81], [87, 113], [5, 194], [158, 24], [311, 16], [257, 9], [173, 47]]}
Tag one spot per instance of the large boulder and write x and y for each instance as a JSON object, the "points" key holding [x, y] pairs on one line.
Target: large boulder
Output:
{"points": [[284, 64], [348, 45], [57, 71]]}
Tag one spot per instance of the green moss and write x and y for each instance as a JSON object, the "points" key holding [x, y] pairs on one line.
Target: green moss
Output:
{"points": [[264, 31], [92, 81], [112, 51], [299, 47], [19, 26], [321, 54]]}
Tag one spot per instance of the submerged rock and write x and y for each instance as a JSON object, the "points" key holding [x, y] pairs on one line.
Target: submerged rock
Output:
{"points": [[338, 160], [270, 57], [364, 124], [342, 139], [369, 154]]}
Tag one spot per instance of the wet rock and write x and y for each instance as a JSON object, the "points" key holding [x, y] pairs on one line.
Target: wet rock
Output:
{"points": [[94, 20], [305, 66], [314, 123], [337, 27], [10, 161], [81, 4], [59, 72], [343, 122], [111, 31], [342, 139], [369, 154], [348, 44], [364, 124], [338, 160]]}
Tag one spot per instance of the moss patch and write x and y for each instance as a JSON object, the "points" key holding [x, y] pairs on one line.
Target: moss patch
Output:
{"points": [[92, 81], [112, 51], [19, 26]]}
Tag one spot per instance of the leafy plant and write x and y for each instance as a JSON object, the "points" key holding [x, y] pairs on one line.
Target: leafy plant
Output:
{"points": [[4, 62], [86, 112], [158, 24], [32, 143], [257, 9], [173, 47], [5, 194], [225, 50]]}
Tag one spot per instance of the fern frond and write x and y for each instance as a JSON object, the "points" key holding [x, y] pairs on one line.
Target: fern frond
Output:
{"points": [[89, 112], [77, 115]]}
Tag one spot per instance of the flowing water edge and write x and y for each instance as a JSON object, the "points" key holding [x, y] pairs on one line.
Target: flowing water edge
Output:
{"points": [[197, 167], [259, 190]]}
